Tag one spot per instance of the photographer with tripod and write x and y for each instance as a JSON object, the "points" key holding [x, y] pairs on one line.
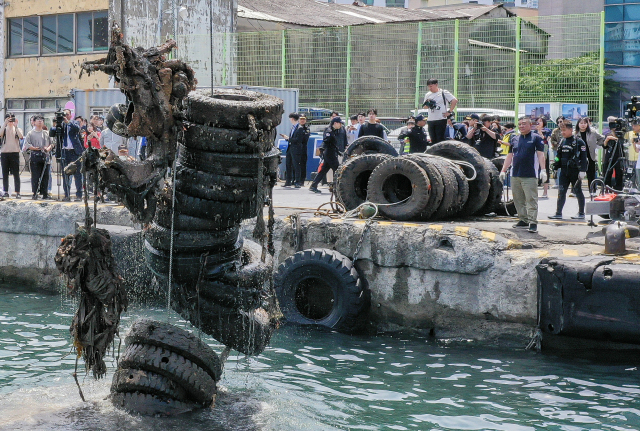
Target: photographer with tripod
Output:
{"points": [[68, 150], [10, 135], [612, 165], [39, 145]]}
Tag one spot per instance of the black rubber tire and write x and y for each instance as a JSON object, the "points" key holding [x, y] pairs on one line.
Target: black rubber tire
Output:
{"points": [[435, 180], [247, 332], [447, 206], [177, 340], [352, 178], [205, 138], [186, 223], [223, 188], [498, 162], [147, 382], [240, 165], [231, 108], [190, 241], [150, 405], [463, 191], [215, 210], [199, 385], [507, 208], [349, 301], [186, 266], [370, 145], [395, 180], [479, 187], [495, 190]]}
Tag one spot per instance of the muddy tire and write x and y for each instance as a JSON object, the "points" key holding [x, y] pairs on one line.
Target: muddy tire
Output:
{"points": [[352, 178], [498, 162], [370, 145], [450, 190], [190, 241], [147, 382], [240, 165], [507, 208], [435, 180], [177, 340], [184, 222], [479, 187], [463, 190], [223, 188], [205, 138], [215, 210], [198, 384], [322, 287], [150, 405], [401, 186], [229, 108], [495, 190]]}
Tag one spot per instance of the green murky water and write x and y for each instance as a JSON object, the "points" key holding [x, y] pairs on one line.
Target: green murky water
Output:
{"points": [[317, 380]]}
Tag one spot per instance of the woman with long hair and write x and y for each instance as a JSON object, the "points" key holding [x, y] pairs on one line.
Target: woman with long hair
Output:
{"points": [[593, 139]]}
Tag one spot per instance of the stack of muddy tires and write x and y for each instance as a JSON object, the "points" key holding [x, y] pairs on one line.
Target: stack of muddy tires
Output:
{"points": [[226, 166], [164, 370], [450, 180]]}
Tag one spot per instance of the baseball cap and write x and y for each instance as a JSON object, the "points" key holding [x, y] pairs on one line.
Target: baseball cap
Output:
{"points": [[123, 147], [420, 118], [474, 117], [336, 120]]}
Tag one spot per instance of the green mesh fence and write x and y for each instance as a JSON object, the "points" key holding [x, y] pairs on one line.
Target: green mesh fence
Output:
{"points": [[493, 64]]}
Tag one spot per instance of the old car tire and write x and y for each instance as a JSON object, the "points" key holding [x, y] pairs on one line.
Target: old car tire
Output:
{"points": [[177, 340], [463, 190], [230, 108], [241, 165], [198, 384], [215, 210], [185, 222], [352, 178], [150, 405], [479, 187], [450, 189], [321, 287], [495, 190], [190, 241], [370, 145], [219, 140], [498, 162], [147, 382], [507, 208], [223, 187], [435, 180], [402, 188]]}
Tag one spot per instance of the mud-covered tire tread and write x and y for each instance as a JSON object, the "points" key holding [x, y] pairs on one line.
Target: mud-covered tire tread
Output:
{"points": [[421, 185], [495, 190], [241, 165], [177, 340], [224, 188], [351, 299], [450, 190], [370, 145], [352, 178], [147, 382], [215, 210], [190, 241], [435, 180], [463, 190], [186, 222], [150, 405], [200, 386], [222, 140]]}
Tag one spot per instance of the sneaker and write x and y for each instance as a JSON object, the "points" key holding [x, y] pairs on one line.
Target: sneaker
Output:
{"points": [[286, 185], [521, 224], [555, 186], [543, 198], [298, 186], [66, 199], [46, 197], [572, 195], [6, 195], [78, 199], [555, 217], [18, 196], [578, 216], [314, 190], [533, 228], [34, 197]]}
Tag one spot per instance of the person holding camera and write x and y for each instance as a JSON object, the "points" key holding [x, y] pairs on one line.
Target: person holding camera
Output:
{"points": [[612, 169], [440, 104], [39, 145], [10, 135], [483, 135], [573, 162], [329, 152], [418, 141], [70, 151]]}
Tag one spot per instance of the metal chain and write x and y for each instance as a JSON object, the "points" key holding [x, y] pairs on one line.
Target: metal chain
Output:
{"points": [[295, 220], [365, 230]]}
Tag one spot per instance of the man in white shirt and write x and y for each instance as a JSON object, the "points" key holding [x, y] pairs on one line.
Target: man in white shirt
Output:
{"points": [[440, 104]]}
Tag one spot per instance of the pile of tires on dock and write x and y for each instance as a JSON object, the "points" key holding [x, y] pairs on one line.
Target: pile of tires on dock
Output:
{"points": [[226, 167], [450, 180], [164, 370]]}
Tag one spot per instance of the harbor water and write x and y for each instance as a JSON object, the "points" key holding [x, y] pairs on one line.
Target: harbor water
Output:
{"points": [[311, 379]]}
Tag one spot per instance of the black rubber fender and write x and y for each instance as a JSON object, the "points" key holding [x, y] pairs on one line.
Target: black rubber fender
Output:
{"points": [[177, 340], [314, 275], [435, 181], [147, 382], [352, 178], [224, 188], [447, 206], [198, 384], [498, 162], [241, 165], [479, 187], [220, 140], [232, 108], [402, 188], [150, 405], [495, 190], [463, 190], [190, 241], [215, 210], [370, 145]]}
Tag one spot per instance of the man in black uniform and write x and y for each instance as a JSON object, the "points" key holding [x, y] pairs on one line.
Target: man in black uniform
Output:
{"points": [[484, 136], [298, 145], [290, 172], [417, 136], [572, 162], [329, 151], [372, 127]]}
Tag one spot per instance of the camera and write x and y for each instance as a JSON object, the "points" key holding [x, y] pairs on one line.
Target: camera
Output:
{"points": [[632, 108], [431, 104], [619, 126], [12, 118], [59, 120]]}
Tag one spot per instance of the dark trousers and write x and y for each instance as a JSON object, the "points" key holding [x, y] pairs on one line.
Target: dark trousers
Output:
{"points": [[290, 171], [326, 166], [10, 166], [613, 175], [39, 176], [567, 177], [298, 167], [591, 169], [70, 157], [437, 130]]}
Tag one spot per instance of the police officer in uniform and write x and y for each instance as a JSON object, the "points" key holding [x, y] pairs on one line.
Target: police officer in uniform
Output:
{"points": [[329, 151], [573, 163], [417, 137], [298, 145]]}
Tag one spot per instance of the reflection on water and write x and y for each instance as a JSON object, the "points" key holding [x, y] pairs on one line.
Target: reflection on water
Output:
{"points": [[317, 380]]}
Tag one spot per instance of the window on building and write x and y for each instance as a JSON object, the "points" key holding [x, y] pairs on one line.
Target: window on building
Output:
{"points": [[92, 31], [24, 109], [57, 34], [23, 36], [395, 3]]}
